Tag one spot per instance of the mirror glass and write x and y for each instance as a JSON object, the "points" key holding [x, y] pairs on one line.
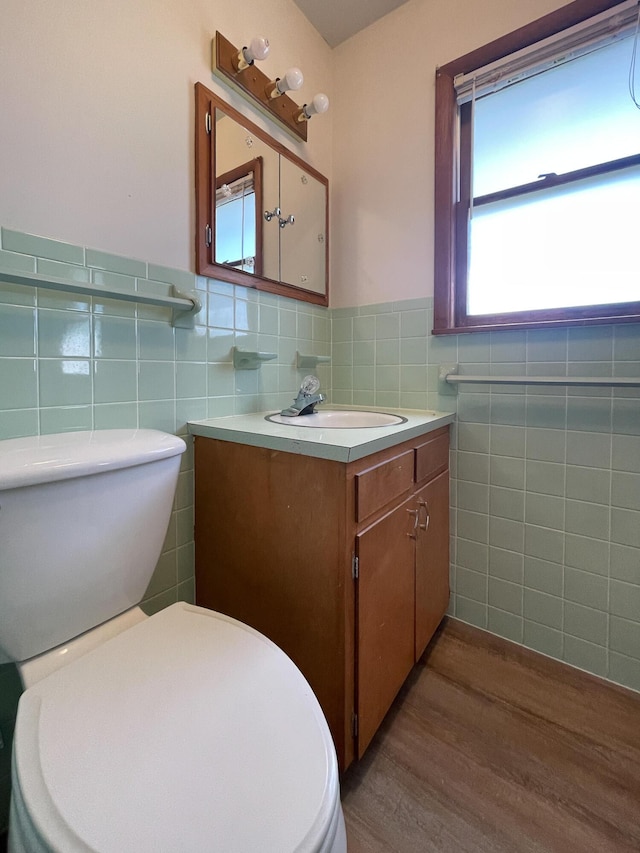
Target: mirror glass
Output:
{"points": [[238, 203], [266, 210], [302, 237]]}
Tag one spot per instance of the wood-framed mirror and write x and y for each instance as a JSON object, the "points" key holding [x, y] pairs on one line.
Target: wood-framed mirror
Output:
{"points": [[262, 213]]}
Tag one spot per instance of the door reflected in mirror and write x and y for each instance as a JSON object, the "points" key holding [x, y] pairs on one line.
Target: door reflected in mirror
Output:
{"points": [[302, 243], [261, 212]]}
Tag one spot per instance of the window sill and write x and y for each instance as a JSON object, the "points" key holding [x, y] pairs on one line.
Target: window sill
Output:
{"points": [[536, 324]]}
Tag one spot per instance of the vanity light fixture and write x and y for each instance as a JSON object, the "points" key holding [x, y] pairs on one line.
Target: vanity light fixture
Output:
{"points": [[319, 104], [258, 49], [291, 82], [238, 69]]}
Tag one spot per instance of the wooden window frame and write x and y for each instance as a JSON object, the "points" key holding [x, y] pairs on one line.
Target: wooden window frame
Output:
{"points": [[451, 213]]}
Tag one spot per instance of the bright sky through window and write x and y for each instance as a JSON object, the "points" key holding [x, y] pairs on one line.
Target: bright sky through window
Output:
{"points": [[565, 246]]}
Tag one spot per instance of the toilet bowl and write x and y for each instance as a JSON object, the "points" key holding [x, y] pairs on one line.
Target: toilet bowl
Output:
{"points": [[187, 732], [183, 731]]}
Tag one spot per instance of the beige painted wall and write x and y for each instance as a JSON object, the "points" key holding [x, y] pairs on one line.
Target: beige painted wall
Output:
{"points": [[383, 122], [96, 113]]}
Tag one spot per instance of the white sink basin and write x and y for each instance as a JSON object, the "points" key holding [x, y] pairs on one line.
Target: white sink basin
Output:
{"points": [[340, 420]]}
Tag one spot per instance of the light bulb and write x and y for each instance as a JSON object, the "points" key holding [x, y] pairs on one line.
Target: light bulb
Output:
{"points": [[292, 80], [258, 49], [319, 104]]}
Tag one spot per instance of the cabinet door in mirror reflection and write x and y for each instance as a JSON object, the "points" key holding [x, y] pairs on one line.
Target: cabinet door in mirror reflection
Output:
{"points": [[261, 212], [302, 243]]}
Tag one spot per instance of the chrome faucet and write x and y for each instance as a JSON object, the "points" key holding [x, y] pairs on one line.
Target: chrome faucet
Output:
{"points": [[306, 400]]}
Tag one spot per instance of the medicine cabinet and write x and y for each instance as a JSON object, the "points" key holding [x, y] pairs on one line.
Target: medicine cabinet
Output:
{"points": [[261, 211]]}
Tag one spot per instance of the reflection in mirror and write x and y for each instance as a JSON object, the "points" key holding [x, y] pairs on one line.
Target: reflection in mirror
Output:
{"points": [[261, 211], [238, 235], [234, 145], [302, 244]]}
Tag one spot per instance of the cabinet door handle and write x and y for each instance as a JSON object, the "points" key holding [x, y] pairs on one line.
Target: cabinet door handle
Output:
{"points": [[424, 525], [415, 513]]}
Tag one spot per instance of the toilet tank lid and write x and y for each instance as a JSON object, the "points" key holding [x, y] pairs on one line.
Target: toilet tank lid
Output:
{"points": [[39, 459]]}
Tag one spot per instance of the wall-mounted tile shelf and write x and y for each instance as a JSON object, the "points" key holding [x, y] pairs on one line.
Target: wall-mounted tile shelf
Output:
{"points": [[311, 361], [184, 306], [248, 360], [449, 373]]}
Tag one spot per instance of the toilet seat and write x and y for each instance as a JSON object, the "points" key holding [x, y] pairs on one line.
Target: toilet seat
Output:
{"points": [[189, 731]]}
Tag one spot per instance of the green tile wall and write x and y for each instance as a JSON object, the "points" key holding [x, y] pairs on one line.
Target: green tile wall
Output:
{"points": [[545, 515], [81, 362], [545, 509]]}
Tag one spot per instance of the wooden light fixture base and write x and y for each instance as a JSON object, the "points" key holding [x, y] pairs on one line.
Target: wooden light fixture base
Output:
{"points": [[253, 83]]}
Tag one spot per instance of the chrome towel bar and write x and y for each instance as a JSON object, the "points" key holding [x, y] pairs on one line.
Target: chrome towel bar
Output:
{"points": [[183, 305], [448, 373]]}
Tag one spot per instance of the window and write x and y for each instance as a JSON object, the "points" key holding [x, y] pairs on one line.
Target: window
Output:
{"points": [[538, 176], [238, 220]]}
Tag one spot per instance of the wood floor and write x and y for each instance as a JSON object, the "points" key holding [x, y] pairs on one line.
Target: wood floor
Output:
{"points": [[490, 747]]}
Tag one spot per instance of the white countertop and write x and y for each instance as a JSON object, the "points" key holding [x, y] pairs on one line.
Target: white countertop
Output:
{"points": [[340, 445]]}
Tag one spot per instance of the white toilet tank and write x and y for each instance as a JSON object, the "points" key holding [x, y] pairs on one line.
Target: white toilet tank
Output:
{"points": [[83, 517]]}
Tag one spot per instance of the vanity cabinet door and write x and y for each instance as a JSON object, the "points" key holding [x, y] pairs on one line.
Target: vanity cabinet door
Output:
{"points": [[385, 616], [432, 559]]}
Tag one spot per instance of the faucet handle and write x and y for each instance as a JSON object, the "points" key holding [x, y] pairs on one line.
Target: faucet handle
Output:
{"points": [[310, 384]]}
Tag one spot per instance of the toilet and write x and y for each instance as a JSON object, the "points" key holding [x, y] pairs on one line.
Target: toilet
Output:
{"points": [[183, 731]]}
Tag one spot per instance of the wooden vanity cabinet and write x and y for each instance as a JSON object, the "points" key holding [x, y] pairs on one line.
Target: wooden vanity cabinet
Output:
{"points": [[345, 566]]}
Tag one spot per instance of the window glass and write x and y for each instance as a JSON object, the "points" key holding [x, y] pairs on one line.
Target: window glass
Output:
{"points": [[566, 118], [565, 247], [236, 225]]}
